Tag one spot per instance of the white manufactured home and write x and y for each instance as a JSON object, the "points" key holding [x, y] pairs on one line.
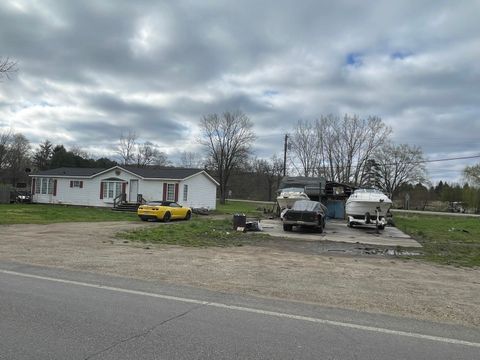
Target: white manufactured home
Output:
{"points": [[104, 187]]}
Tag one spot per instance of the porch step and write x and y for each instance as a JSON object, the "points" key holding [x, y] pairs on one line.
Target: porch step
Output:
{"points": [[133, 207]]}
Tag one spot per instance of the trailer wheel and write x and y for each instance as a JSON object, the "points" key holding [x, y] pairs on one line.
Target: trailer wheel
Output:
{"points": [[367, 218]]}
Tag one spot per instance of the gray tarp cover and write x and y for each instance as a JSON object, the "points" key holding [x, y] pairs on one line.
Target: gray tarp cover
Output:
{"points": [[307, 205]]}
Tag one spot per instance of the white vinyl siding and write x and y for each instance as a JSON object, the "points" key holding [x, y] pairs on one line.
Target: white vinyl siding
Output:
{"points": [[200, 190]]}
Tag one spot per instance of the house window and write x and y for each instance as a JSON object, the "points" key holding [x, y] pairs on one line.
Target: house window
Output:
{"points": [[170, 192], [43, 189], [44, 186], [111, 189], [185, 192], [77, 184], [50, 186]]}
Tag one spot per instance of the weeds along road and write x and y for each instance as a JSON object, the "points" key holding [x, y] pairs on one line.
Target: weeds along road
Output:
{"points": [[56, 314]]}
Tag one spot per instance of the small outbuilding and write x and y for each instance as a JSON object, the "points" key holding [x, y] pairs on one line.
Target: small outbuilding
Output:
{"points": [[124, 184]]}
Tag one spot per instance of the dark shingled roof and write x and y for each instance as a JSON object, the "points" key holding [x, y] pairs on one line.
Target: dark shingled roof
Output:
{"points": [[144, 172], [70, 171], [163, 173]]}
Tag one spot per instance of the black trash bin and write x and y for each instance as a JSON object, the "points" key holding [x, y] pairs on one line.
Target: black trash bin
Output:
{"points": [[239, 220]]}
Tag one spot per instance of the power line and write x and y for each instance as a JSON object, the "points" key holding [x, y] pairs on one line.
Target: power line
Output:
{"points": [[410, 162], [448, 159]]}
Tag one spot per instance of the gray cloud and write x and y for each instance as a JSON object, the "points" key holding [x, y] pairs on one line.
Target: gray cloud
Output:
{"points": [[92, 69]]}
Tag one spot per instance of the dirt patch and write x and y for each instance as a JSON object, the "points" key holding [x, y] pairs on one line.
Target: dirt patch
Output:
{"points": [[380, 285]]}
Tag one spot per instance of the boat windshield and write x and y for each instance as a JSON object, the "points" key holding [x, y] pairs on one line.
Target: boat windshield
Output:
{"points": [[292, 189], [371, 191]]}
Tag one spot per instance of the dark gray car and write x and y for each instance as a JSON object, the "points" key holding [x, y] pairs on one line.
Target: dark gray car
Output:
{"points": [[305, 213]]}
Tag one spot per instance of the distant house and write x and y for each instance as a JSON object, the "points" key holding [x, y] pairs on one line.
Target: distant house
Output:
{"points": [[103, 187]]}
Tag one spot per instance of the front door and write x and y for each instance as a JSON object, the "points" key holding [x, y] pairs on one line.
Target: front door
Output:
{"points": [[133, 191]]}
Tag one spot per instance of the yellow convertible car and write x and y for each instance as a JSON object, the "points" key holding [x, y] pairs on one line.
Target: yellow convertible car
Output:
{"points": [[163, 210]]}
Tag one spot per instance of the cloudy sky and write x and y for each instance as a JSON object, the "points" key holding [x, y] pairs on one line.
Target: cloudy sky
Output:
{"points": [[90, 70]]}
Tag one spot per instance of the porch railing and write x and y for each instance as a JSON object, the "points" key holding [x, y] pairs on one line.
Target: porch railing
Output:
{"points": [[140, 199], [120, 199]]}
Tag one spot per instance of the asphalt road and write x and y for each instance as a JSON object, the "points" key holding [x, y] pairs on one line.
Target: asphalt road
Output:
{"points": [[57, 314]]}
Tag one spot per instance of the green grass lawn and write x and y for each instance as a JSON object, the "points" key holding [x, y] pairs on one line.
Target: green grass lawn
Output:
{"points": [[240, 207], [197, 232], [446, 239], [47, 214]]}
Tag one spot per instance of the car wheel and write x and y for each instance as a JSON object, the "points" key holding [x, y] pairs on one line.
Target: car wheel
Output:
{"points": [[287, 227], [167, 217], [320, 228], [143, 218], [189, 215]]}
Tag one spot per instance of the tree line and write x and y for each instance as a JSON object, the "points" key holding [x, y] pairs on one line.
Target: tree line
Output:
{"points": [[351, 150], [440, 197]]}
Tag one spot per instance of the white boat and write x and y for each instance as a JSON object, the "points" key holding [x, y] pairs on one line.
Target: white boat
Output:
{"points": [[288, 196], [366, 206]]}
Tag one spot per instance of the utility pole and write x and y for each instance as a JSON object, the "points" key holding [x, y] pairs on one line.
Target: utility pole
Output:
{"points": [[285, 156]]}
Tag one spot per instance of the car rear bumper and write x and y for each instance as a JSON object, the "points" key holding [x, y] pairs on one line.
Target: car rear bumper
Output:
{"points": [[300, 223], [147, 216]]}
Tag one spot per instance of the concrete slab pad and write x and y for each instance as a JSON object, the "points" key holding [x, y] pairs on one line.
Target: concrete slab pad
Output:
{"points": [[336, 230]]}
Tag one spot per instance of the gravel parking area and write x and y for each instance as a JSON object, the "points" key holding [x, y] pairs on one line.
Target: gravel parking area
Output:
{"points": [[264, 268]]}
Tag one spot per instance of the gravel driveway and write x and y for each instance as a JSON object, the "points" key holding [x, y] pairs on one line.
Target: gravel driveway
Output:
{"points": [[373, 284]]}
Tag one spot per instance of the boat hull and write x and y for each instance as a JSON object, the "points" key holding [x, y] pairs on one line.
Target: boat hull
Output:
{"points": [[287, 201], [359, 208], [367, 201]]}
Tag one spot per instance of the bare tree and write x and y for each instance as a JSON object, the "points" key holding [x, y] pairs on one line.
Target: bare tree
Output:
{"points": [[337, 148], [472, 174], [306, 147], [399, 164], [5, 140], [7, 67], [190, 159], [126, 147], [227, 139], [18, 157], [78, 151], [148, 154], [270, 171], [472, 194], [349, 143]]}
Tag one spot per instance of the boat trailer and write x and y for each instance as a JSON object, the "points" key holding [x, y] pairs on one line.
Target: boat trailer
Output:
{"points": [[378, 221]]}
